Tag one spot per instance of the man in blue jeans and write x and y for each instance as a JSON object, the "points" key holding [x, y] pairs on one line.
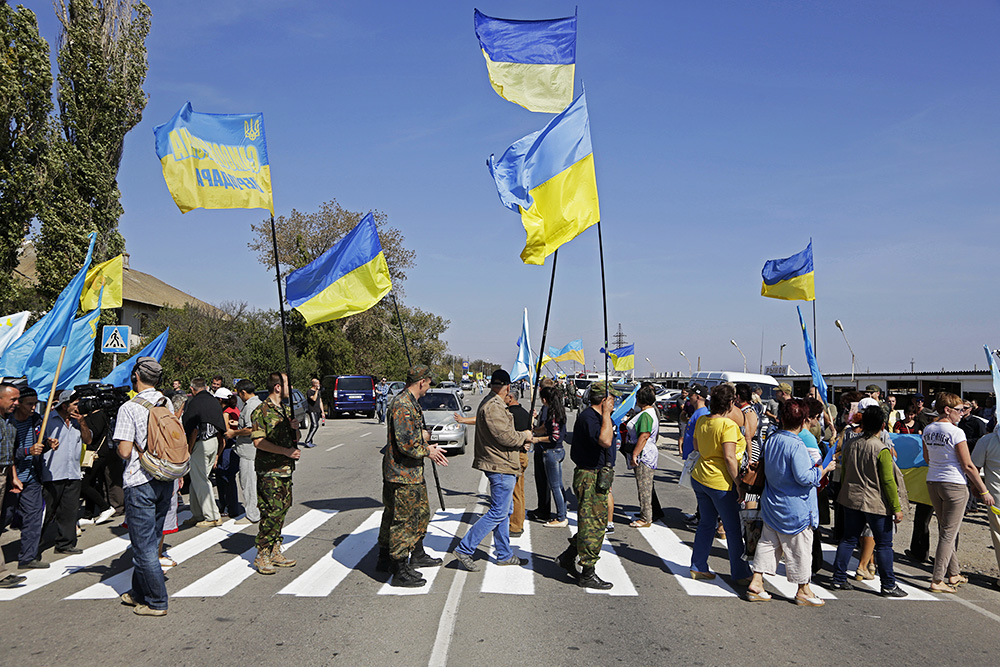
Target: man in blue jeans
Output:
{"points": [[146, 499], [496, 454]]}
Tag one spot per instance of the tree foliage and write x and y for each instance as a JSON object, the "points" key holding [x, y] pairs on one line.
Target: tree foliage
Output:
{"points": [[25, 105], [102, 67]]}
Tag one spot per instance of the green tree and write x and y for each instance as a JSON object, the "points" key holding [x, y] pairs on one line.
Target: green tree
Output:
{"points": [[25, 104], [102, 67]]}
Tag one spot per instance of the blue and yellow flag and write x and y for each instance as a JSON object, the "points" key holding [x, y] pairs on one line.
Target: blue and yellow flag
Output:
{"points": [[549, 178], [573, 351], [622, 359], [103, 285], [817, 377], [531, 63], [347, 279], [790, 278], [215, 160]]}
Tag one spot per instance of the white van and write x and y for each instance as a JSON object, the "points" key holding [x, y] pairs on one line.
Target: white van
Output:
{"points": [[712, 378]]}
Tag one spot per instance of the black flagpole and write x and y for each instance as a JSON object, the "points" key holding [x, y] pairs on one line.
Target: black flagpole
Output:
{"points": [[281, 306], [545, 331], [409, 362], [604, 298]]}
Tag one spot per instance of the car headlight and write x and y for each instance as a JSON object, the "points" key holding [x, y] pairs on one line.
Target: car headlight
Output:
{"points": [[452, 427]]}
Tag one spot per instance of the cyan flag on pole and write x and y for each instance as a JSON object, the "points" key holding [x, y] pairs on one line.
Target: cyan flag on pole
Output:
{"points": [[121, 375], [993, 371], [77, 362], [523, 368], [817, 377], [58, 327], [622, 410]]}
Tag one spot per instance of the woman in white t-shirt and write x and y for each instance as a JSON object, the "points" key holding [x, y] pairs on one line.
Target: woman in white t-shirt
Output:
{"points": [[949, 465]]}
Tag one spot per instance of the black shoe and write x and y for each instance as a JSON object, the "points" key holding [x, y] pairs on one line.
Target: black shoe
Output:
{"points": [[404, 577], [896, 592], [842, 586], [69, 551], [424, 560], [535, 515], [913, 558], [567, 561], [12, 580], [516, 533], [589, 579], [384, 563], [32, 565]]}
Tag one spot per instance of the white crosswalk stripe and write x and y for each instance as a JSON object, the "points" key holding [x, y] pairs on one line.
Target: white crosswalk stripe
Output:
{"points": [[608, 568], [509, 579], [913, 593], [224, 579], [327, 573], [677, 557], [440, 534]]}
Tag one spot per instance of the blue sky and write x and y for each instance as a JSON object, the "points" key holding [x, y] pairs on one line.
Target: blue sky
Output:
{"points": [[724, 133]]}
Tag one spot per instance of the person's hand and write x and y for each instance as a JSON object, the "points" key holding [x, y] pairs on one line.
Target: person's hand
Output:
{"points": [[458, 417], [295, 423], [635, 459], [215, 462], [608, 405], [52, 443], [436, 454], [988, 499], [897, 517], [36, 449], [230, 434], [15, 484], [830, 467], [295, 454]]}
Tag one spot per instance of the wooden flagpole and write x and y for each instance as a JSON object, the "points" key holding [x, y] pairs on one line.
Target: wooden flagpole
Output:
{"points": [[52, 393]]}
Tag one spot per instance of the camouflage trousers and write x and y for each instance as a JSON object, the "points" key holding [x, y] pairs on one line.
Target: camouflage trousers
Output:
{"points": [[592, 516], [404, 518], [274, 498]]}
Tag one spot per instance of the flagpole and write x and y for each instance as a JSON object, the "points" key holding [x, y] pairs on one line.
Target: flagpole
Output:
{"points": [[815, 339], [545, 332], [281, 306], [409, 362], [52, 394], [604, 299]]}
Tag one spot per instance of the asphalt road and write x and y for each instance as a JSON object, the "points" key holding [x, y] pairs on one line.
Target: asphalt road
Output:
{"points": [[332, 608]]}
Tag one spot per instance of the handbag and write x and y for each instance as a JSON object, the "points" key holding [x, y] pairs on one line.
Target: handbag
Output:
{"points": [[605, 476], [88, 458], [753, 479], [689, 464]]}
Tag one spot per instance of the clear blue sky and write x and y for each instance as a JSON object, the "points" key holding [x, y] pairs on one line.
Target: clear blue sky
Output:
{"points": [[725, 134]]}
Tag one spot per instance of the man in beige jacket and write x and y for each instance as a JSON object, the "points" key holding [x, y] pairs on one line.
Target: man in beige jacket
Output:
{"points": [[496, 454]]}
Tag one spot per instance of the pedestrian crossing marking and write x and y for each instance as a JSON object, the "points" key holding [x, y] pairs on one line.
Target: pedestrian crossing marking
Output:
{"points": [[830, 553], [509, 579], [677, 557], [441, 532], [779, 581], [224, 579], [608, 568], [327, 573], [120, 583]]}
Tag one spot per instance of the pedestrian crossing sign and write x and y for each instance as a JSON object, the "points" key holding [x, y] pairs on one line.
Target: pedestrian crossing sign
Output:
{"points": [[114, 339]]}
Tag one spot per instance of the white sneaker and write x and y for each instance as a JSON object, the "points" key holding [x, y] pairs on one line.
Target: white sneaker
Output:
{"points": [[105, 516], [85, 522]]}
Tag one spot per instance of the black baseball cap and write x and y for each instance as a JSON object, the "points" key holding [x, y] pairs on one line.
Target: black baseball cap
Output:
{"points": [[500, 377]]}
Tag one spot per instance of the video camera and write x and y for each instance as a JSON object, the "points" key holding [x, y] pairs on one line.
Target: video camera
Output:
{"points": [[103, 397]]}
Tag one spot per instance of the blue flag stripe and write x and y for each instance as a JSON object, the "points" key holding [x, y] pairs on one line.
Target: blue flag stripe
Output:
{"points": [[799, 264], [545, 42]]}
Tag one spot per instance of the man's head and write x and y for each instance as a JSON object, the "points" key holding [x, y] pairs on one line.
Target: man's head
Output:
{"points": [[245, 389], [698, 394], [176, 384], [277, 386], [217, 383], [646, 395], [198, 385], [500, 382], [600, 389], [511, 398], [891, 400], [146, 373], [26, 404], [384, 380], [873, 391], [315, 383], [419, 380], [66, 404], [783, 392], [918, 400], [9, 394]]}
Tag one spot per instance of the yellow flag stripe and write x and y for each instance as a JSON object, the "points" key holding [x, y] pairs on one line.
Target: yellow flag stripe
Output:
{"points": [[799, 288], [562, 208]]}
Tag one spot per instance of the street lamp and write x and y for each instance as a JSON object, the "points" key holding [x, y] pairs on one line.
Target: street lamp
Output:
{"points": [[687, 360], [841, 327], [781, 354], [651, 366], [741, 354]]}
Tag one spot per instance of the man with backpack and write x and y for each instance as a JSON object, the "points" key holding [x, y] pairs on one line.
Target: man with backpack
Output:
{"points": [[142, 429]]}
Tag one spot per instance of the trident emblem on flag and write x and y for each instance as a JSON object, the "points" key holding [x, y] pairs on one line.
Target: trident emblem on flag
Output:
{"points": [[251, 129]]}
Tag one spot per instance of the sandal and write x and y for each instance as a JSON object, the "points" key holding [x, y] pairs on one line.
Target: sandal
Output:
{"points": [[809, 602], [958, 580], [762, 596], [863, 574], [638, 523], [695, 574], [941, 588]]}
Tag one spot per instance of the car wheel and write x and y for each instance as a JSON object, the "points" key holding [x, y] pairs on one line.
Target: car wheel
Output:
{"points": [[370, 414], [306, 421]]}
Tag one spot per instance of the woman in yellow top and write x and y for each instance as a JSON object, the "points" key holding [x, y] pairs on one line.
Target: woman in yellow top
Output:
{"points": [[715, 480]]}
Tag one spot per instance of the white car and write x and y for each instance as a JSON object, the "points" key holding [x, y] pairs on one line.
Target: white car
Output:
{"points": [[439, 406]]}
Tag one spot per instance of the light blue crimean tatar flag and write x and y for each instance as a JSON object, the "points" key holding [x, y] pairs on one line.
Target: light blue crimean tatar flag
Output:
{"points": [[121, 375], [622, 410], [11, 328], [76, 363], [817, 377], [523, 366], [993, 371], [531, 63]]}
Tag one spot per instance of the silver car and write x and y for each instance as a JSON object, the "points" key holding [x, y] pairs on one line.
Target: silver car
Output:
{"points": [[439, 407]]}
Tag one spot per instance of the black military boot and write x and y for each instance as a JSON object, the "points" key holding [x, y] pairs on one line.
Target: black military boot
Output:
{"points": [[567, 560], [420, 558], [383, 563], [405, 577], [589, 579]]}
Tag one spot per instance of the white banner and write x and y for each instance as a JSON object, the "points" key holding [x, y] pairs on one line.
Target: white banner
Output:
{"points": [[11, 328]]}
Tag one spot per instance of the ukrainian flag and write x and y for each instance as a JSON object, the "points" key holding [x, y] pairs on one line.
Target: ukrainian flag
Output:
{"points": [[549, 178], [790, 278], [215, 160], [622, 359], [531, 63], [347, 279], [573, 351]]}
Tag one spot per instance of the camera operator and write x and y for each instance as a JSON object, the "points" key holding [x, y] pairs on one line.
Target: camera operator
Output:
{"points": [[93, 475], [65, 434]]}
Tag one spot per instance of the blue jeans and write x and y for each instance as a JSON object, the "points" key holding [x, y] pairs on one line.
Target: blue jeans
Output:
{"points": [[553, 459], [226, 475], [28, 508], [713, 505], [146, 507], [854, 523], [497, 518]]}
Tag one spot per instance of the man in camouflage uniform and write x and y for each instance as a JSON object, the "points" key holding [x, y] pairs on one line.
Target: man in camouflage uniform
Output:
{"points": [[274, 432], [591, 450], [404, 492]]}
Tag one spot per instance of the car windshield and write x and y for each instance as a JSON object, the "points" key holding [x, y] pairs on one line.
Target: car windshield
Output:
{"points": [[354, 384], [582, 384], [440, 401]]}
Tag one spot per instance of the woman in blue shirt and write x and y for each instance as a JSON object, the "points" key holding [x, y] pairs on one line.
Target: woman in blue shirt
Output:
{"points": [[788, 508]]}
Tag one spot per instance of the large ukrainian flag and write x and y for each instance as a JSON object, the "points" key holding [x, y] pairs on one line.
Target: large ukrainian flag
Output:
{"points": [[215, 160], [549, 177], [790, 278], [573, 351], [347, 279], [531, 63]]}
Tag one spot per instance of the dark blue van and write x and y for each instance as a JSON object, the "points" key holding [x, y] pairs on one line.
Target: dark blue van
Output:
{"points": [[349, 393]]}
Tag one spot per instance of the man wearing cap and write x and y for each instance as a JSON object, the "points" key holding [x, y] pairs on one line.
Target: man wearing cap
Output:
{"points": [[205, 427], [404, 492], [67, 433], [593, 435], [697, 397], [925, 416], [496, 454], [9, 395], [147, 499]]}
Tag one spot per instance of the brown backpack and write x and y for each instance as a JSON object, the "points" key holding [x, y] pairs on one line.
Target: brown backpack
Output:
{"points": [[166, 456]]}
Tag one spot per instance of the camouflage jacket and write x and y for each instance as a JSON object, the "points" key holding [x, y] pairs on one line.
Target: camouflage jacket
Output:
{"points": [[271, 421], [405, 449]]}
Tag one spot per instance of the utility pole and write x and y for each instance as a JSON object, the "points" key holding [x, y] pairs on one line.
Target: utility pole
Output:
{"points": [[620, 338]]}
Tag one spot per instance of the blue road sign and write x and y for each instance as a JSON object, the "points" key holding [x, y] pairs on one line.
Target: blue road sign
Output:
{"points": [[114, 339]]}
